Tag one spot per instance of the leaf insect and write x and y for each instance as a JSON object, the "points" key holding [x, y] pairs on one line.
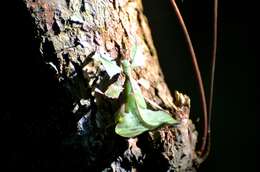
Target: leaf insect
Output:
{"points": [[134, 117]]}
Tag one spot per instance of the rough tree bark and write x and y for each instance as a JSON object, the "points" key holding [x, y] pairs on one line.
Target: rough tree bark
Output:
{"points": [[69, 33]]}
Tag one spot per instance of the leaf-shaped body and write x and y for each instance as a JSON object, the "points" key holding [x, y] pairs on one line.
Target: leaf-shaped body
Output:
{"points": [[135, 118], [110, 66], [114, 90], [138, 94], [157, 118], [129, 125]]}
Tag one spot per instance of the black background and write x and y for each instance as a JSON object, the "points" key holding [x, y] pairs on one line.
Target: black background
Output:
{"points": [[233, 123], [30, 138]]}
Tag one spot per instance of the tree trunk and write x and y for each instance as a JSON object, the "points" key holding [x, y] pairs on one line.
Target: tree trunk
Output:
{"points": [[70, 33]]}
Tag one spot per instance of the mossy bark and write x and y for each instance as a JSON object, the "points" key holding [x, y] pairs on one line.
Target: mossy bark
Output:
{"points": [[69, 33]]}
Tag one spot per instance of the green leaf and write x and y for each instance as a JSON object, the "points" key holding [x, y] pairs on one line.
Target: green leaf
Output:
{"points": [[129, 125], [157, 118], [110, 66], [114, 90]]}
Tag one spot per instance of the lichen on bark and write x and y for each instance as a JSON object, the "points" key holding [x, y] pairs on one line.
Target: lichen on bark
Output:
{"points": [[71, 33]]}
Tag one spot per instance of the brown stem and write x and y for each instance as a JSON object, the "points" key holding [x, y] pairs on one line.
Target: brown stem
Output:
{"points": [[198, 76]]}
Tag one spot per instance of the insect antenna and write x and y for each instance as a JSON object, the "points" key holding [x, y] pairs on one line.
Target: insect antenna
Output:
{"points": [[207, 110]]}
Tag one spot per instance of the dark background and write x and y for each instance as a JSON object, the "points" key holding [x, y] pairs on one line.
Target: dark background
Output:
{"points": [[233, 123], [30, 137]]}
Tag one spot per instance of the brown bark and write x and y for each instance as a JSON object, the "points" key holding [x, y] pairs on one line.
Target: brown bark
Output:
{"points": [[70, 32]]}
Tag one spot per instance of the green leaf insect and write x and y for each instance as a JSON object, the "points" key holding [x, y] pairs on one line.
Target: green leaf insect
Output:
{"points": [[134, 118], [114, 90], [110, 66]]}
